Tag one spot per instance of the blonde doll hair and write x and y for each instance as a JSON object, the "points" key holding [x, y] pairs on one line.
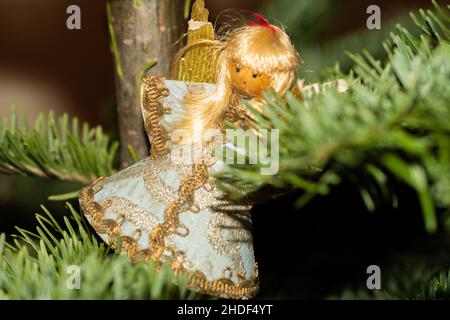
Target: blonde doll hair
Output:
{"points": [[266, 50]]}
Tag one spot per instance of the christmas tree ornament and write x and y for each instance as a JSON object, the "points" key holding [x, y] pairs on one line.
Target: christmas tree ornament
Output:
{"points": [[169, 210]]}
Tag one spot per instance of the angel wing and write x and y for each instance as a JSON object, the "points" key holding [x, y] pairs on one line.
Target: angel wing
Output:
{"points": [[199, 64]]}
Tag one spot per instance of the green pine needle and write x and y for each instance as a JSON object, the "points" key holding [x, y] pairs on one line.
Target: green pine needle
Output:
{"points": [[39, 266], [392, 125], [55, 148]]}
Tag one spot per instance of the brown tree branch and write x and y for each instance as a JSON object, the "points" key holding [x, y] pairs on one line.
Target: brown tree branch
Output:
{"points": [[142, 32]]}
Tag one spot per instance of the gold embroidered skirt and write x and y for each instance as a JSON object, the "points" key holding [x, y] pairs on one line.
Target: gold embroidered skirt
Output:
{"points": [[170, 212]]}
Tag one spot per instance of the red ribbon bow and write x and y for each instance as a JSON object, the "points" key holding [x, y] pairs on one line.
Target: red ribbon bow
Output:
{"points": [[262, 22]]}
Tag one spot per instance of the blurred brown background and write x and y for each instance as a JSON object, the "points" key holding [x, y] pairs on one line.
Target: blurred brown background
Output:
{"points": [[43, 65]]}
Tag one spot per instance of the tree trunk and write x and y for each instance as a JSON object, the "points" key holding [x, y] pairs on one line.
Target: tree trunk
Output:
{"points": [[142, 31]]}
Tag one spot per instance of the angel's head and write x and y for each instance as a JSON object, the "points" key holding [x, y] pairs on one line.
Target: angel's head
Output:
{"points": [[258, 56], [252, 58]]}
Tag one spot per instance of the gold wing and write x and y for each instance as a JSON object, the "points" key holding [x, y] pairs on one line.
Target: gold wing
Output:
{"points": [[199, 64]]}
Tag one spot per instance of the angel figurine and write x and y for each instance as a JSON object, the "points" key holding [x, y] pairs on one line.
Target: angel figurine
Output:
{"points": [[170, 211]]}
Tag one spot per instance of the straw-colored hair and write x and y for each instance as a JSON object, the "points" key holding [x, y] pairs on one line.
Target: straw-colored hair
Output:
{"points": [[264, 50]]}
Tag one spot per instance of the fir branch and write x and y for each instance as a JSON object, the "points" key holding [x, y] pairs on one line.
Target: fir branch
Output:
{"points": [[438, 287], [301, 17], [301, 21], [391, 126], [320, 58], [36, 266], [56, 148]]}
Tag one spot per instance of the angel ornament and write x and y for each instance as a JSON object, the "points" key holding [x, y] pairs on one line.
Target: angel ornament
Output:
{"points": [[170, 211]]}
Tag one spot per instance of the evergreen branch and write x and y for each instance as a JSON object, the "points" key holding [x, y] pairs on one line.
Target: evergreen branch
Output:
{"points": [[113, 42], [320, 58], [438, 286], [37, 266], [392, 125], [301, 17], [187, 9], [55, 148]]}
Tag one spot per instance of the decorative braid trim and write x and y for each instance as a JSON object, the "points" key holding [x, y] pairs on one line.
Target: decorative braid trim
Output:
{"points": [[153, 92], [197, 281]]}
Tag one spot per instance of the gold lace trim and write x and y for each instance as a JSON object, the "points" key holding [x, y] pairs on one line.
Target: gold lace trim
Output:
{"points": [[171, 224], [236, 112], [197, 280], [153, 110]]}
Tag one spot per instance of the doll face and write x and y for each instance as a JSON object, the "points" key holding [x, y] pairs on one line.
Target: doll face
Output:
{"points": [[249, 81]]}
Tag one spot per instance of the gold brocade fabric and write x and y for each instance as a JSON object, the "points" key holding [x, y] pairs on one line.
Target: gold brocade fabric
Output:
{"points": [[199, 64]]}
